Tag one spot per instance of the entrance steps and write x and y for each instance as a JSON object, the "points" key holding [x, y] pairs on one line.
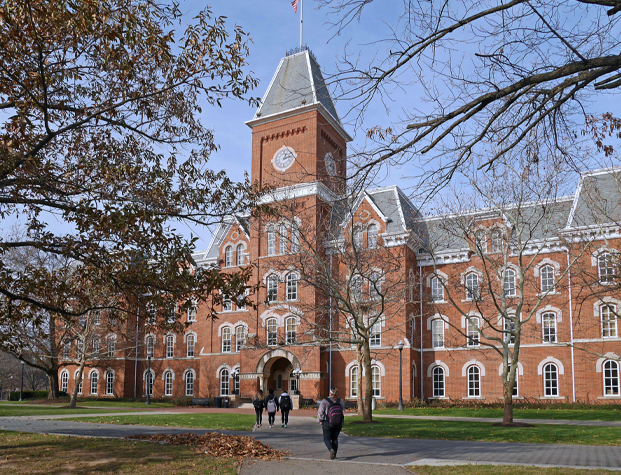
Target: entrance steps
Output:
{"points": [[246, 405]]}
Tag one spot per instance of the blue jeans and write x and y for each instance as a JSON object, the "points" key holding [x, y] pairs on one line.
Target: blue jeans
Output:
{"points": [[331, 436]]}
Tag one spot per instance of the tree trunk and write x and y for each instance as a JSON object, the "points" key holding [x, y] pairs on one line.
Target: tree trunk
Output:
{"points": [[74, 394], [52, 378], [367, 416], [359, 398], [507, 417]]}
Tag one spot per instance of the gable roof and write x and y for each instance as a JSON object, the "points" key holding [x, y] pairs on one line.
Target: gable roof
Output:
{"points": [[597, 199]]}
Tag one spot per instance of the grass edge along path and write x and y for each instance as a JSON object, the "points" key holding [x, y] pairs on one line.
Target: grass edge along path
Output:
{"points": [[25, 453], [482, 431], [215, 421], [481, 469]]}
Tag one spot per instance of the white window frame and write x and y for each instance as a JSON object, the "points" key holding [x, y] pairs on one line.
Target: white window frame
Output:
{"points": [[189, 383], [437, 289], [168, 383], [292, 286], [480, 241], [240, 337], [610, 370], [438, 381], [282, 239], [606, 268], [356, 288], [271, 331], [64, 381], [509, 283], [546, 276], [150, 345], [228, 256], [94, 380], [497, 241], [508, 337], [95, 345], [472, 332], [358, 240], [109, 383], [272, 288], [271, 241], [192, 309], [295, 237], [149, 377], [111, 345], [474, 381], [190, 346], [372, 236], [549, 331], [170, 346], [472, 286], [239, 253], [609, 325], [226, 339], [550, 385], [224, 382], [291, 327], [353, 381], [437, 333], [376, 381], [375, 334], [375, 285], [227, 305]]}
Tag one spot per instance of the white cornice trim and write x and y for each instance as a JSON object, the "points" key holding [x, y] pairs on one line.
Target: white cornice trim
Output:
{"points": [[300, 191]]}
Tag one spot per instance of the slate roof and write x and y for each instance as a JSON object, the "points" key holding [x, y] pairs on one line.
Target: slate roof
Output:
{"points": [[297, 83], [598, 199]]}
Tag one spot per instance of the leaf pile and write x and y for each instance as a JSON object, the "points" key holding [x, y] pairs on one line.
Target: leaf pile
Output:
{"points": [[218, 445]]}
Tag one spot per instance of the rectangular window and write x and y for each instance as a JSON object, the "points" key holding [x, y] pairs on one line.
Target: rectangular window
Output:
{"points": [[375, 336], [292, 331], [191, 345], [240, 338], [226, 340], [111, 346], [437, 333], [473, 331], [94, 382], [548, 322], [192, 313], [170, 346], [227, 305], [271, 332], [609, 321], [437, 290]]}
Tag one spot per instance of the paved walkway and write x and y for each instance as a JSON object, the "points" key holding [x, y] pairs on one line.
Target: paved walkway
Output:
{"points": [[366, 455]]}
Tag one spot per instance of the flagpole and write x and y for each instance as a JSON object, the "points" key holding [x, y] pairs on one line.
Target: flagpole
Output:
{"points": [[301, 21]]}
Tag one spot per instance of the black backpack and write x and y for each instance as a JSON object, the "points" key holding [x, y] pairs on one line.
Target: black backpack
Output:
{"points": [[335, 414], [258, 403], [285, 403]]}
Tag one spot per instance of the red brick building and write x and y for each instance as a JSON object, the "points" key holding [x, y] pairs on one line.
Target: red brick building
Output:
{"points": [[444, 314]]}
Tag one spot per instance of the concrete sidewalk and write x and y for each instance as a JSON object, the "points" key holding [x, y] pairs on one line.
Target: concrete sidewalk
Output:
{"points": [[303, 439]]}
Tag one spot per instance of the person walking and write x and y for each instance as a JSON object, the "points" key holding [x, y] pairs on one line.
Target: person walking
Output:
{"points": [[271, 404], [259, 405], [331, 416], [285, 404]]}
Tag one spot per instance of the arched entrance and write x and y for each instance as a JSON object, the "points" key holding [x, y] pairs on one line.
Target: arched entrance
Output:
{"points": [[274, 370]]}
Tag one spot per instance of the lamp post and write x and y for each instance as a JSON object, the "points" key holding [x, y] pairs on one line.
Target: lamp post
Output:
{"points": [[297, 372], [21, 389], [400, 346], [149, 381]]}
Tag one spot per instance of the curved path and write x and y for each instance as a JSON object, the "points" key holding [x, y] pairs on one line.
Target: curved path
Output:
{"points": [[304, 441]]}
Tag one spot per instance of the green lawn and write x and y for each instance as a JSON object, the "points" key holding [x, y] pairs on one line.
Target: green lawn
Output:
{"points": [[483, 431], [25, 454], [504, 470], [195, 421], [590, 414], [7, 411]]}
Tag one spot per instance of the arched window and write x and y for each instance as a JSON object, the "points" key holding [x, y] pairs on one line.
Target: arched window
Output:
{"points": [[474, 381], [271, 331], [480, 241], [240, 337], [94, 381], [109, 383], [151, 312], [358, 236], [272, 288], [168, 383], [149, 384], [356, 287], [228, 256], [497, 241], [96, 343], [240, 254], [292, 330], [295, 237], [606, 267], [472, 286], [150, 345], [548, 322], [170, 346], [226, 340], [375, 285], [438, 381], [353, 381], [80, 384], [192, 312], [437, 333], [550, 380], [376, 381], [282, 239], [292, 286], [64, 381], [375, 335], [509, 286], [271, 240], [372, 236], [547, 279], [111, 346], [611, 378], [189, 383], [437, 290], [224, 382], [190, 344], [473, 331], [609, 321]]}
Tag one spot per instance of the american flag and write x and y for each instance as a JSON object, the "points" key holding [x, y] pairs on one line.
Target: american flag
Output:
{"points": [[294, 4]]}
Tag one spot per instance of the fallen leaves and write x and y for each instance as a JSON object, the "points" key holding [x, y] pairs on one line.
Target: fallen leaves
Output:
{"points": [[218, 445]]}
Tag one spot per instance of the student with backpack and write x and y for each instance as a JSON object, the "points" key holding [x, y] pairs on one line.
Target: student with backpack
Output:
{"points": [[285, 404], [259, 405], [331, 416], [271, 404]]}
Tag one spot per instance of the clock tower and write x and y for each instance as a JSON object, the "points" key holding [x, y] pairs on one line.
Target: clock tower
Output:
{"points": [[297, 136]]}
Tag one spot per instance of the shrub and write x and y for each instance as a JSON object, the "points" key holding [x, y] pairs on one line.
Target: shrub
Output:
{"points": [[14, 395]]}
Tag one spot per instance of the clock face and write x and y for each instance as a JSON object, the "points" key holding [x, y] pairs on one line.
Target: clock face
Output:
{"points": [[330, 164], [284, 158]]}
